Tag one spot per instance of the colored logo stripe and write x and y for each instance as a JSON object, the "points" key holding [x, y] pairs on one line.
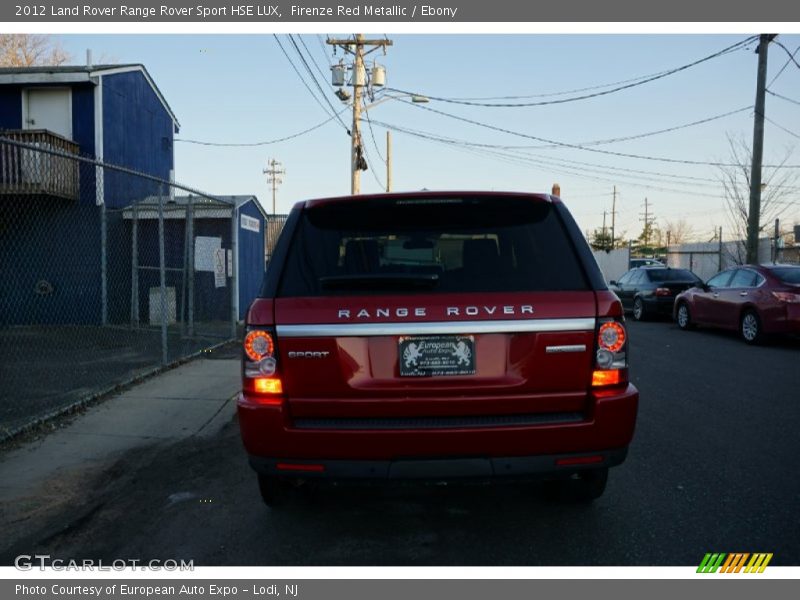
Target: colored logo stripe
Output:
{"points": [[734, 562], [758, 563], [710, 563]]}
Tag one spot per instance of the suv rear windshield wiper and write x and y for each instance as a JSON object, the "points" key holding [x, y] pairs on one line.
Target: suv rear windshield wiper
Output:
{"points": [[380, 281]]}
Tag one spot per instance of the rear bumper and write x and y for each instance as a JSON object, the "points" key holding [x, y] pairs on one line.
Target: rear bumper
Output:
{"points": [[792, 324], [780, 319], [448, 468], [662, 305], [270, 436]]}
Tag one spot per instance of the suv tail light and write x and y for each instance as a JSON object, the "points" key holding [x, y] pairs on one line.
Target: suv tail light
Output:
{"points": [[611, 361], [260, 366]]}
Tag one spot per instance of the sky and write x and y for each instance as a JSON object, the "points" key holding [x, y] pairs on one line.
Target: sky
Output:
{"points": [[241, 89]]}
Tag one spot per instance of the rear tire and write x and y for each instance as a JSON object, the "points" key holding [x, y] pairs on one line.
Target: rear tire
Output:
{"points": [[273, 490], [639, 311], [582, 487], [750, 327], [684, 317]]}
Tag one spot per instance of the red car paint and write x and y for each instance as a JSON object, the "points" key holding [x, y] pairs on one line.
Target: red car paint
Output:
{"points": [[528, 377], [774, 299]]}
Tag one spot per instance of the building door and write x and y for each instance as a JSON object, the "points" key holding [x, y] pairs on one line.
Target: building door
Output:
{"points": [[48, 108]]}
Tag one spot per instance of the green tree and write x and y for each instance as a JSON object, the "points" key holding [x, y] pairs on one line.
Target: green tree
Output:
{"points": [[650, 241], [600, 239]]}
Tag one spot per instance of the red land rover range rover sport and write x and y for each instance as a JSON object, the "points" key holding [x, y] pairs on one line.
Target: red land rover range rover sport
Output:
{"points": [[435, 335]]}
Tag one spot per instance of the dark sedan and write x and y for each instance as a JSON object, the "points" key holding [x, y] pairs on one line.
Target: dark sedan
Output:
{"points": [[754, 300], [647, 291]]}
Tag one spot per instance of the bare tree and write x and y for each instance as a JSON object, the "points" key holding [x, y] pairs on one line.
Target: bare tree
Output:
{"points": [[776, 190], [679, 231], [30, 50]]}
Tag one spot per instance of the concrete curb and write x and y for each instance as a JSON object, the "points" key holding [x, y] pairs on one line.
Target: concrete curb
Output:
{"points": [[7, 435]]}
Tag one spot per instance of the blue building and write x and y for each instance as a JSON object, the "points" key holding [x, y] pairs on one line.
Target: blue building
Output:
{"points": [[211, 229], [115, 113], [56, 211]]}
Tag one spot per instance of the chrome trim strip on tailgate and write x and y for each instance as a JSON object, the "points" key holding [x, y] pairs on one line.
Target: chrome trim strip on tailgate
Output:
{"points": [[567, 348], [436, 328]]}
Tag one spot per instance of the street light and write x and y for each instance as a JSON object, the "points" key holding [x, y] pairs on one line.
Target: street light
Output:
{"points": [[416, 99]]}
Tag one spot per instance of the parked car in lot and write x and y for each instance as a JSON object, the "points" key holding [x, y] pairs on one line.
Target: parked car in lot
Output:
{"points": [[645, 262], [435, 335], [755, 300], [648, 291]]}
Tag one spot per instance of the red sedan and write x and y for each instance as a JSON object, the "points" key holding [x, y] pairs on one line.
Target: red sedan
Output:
{"points": [[753, 300]]}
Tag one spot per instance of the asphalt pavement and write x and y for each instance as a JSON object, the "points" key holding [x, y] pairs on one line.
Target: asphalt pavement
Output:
{"points": [[711, 469], [45, 478]]}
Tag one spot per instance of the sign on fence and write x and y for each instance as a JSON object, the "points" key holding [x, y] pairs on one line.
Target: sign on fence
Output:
{"points": [[219, 267], [204, 249]]}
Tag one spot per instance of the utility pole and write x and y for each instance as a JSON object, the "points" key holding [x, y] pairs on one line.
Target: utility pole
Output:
{"points": [[356, 46], [647, 221], [273, 177], [388, 161], [754, 214], [613, 216], [777, 238]]}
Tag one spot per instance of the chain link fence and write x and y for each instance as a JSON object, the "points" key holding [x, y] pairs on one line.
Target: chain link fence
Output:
{"points": [[106, 275]]}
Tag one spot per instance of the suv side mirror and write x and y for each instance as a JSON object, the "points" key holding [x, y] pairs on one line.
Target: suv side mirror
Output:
{"points": [[612, 282]]}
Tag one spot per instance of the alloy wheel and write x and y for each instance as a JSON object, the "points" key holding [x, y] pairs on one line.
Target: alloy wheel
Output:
{"points": [[750, 327]]}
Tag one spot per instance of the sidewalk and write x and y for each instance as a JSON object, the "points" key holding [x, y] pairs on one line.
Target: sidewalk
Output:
{"points": [[195, 399]]}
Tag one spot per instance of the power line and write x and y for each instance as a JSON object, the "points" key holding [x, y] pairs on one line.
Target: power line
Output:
{"points": [[517, 156], [619, 88], [314, 79], [516, 159], [265, 143], [783, 68], [779, 126], [791, 55], [578, 146], [771, 93], [371, 169], [668, 129], [539, 157], [581, 164], [311, 56], [305, 84], [572, 91], [561, 93], [372, 133], [324, 50]]}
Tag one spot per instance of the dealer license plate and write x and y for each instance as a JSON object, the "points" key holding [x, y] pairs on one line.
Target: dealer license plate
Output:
{"points": [[430, 356]]}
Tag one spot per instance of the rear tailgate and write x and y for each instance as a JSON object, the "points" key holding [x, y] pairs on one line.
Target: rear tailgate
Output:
{"points": [[519, 353]]}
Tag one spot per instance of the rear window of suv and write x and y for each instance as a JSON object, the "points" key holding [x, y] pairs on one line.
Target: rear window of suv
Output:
{"points": [[486, 244]]}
